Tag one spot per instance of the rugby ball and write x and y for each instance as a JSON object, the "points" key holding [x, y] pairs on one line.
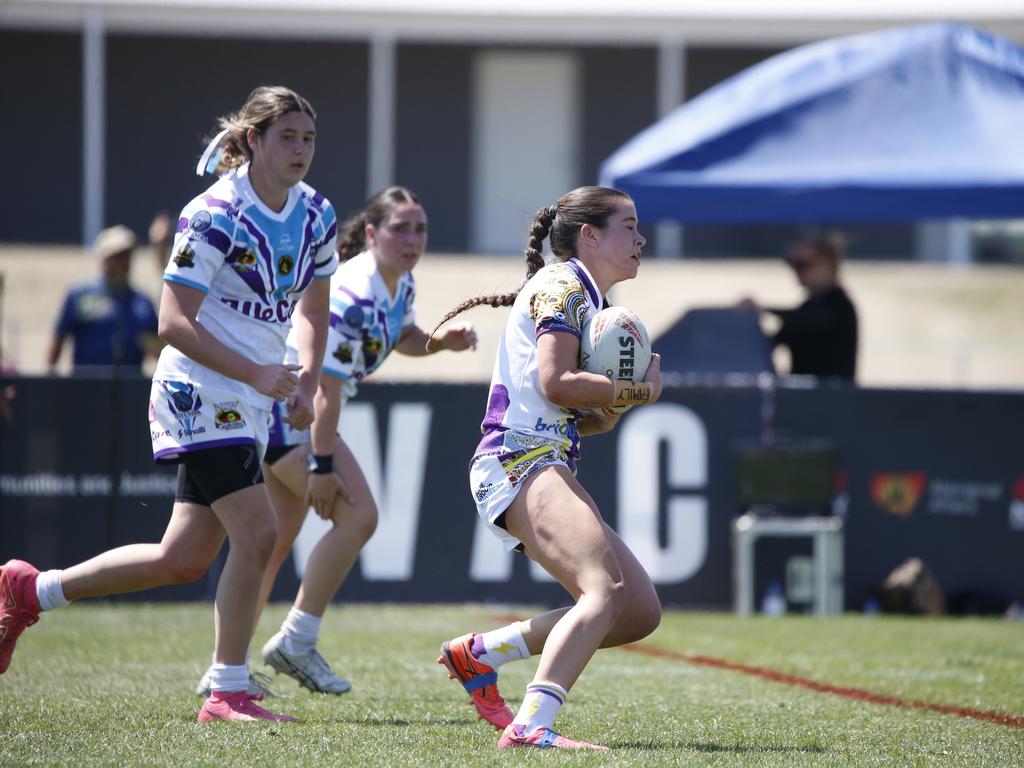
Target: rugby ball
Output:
{"points": [[615, 343]]}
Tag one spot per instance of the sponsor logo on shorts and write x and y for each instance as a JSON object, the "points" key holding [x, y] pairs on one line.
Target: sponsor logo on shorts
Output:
{"points": [[485, 490], [227, 416], [185, 403]]}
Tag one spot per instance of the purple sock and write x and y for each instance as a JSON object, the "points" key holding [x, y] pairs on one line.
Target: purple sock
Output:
{"points": [[477, 648]]}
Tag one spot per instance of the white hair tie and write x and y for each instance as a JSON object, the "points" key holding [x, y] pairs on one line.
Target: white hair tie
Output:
{"points": [[211, 156]]}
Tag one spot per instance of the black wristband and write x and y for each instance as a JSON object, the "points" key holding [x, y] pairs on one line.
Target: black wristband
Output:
{"points": [[320, 465]]}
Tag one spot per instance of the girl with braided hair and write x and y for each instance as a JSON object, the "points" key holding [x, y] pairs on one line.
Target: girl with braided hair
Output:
{"points": [[523, 472], [372, 313]]}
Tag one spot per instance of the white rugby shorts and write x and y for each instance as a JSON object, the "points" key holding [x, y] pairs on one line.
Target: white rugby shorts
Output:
{"points": [[186, 416], [495, 481]]}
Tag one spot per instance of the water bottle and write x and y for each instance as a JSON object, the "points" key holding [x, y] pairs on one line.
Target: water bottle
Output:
{"points": [[773, 603]]}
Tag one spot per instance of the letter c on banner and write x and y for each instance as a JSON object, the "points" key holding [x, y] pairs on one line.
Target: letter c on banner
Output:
{"points": [[639, 489]]}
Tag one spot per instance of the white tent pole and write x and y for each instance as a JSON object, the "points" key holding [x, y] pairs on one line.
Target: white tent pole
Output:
{"points": [[94, 97], [380, 169], [671, 93]]}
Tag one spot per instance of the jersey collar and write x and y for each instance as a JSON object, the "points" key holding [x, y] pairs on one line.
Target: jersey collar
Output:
{"points": [[588, 280]]}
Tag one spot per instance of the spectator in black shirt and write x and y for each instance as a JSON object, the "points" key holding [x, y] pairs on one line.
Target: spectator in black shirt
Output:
{"points": [[821, 333]]}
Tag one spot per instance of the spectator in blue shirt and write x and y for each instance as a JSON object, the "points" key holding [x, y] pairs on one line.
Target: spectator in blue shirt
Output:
{"points": [[110, 323]]}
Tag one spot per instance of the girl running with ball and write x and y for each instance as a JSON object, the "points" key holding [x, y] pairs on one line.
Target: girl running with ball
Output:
{"points": [[522, 475]]}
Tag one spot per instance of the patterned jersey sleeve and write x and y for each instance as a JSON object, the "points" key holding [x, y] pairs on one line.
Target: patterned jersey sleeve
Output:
{"points": [[203, 240], [559, 304], [345, 337], [324, 256]]}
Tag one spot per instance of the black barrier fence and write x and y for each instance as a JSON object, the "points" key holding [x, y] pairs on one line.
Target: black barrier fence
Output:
{"points": [[938, 475]]}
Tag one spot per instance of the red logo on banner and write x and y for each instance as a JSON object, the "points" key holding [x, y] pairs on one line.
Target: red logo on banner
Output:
{"points": [[1018, 489], [897, 493]]}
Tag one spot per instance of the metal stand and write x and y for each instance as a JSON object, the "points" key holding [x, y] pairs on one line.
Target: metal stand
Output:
{"points": [[827, 533]]}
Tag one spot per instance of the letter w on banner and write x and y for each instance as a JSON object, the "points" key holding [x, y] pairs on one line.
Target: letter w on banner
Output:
{"points": [[397, 488]]}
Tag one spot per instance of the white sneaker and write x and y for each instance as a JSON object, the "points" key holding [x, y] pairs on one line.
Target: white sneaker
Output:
{"points": [[309, 668], [259, 685]]}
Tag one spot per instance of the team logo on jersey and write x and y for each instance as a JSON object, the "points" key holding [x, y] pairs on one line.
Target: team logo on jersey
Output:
{"points": [[353, 317], [243, 262], [343, 353], [285, 264], [227, 416], [200, 222], [185, 257], [373, 346]]}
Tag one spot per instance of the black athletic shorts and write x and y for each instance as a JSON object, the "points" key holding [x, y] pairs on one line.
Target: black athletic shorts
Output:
{"points": [[275, 452], [212, 473]]}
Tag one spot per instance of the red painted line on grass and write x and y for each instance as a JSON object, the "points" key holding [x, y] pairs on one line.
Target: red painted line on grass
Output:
{"points": [[1013, 721]]}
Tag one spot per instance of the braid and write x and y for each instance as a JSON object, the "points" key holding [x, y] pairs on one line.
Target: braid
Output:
{"points": [[539, 229], [534, 253], [495, 300], [353, 237]]}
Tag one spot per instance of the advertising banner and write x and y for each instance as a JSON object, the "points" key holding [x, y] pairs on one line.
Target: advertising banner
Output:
{"points": [[938, 475]]}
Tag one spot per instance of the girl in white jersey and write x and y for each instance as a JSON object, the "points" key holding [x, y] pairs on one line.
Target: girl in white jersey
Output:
{"points": [[523, 473], [252, 250], [372, 313]]}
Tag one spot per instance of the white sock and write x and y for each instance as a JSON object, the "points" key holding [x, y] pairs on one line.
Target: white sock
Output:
{"points": [[229, 678], [49, 590], [300, 631], [540, 706], [504, 645]]}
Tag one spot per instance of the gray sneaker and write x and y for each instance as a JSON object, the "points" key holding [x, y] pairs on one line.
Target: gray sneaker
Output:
{"points": [[259, 685], [310, 669]]}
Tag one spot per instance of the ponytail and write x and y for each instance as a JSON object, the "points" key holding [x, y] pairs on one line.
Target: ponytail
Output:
{"points": [[353, 237], [230, 148]]}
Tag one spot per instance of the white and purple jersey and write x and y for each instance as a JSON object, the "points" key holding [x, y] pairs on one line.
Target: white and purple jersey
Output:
{"points": [[253, 264], [366, 323], [561, 297]]}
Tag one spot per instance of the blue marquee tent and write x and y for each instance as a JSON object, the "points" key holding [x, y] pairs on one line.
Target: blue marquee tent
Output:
{"points": [[907, 123]]}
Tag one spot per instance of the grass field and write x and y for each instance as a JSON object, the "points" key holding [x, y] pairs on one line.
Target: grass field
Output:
{"points": [[107, 684]]}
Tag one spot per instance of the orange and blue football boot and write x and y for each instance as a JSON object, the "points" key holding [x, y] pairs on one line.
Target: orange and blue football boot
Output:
{"points": [[480, 680]]}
